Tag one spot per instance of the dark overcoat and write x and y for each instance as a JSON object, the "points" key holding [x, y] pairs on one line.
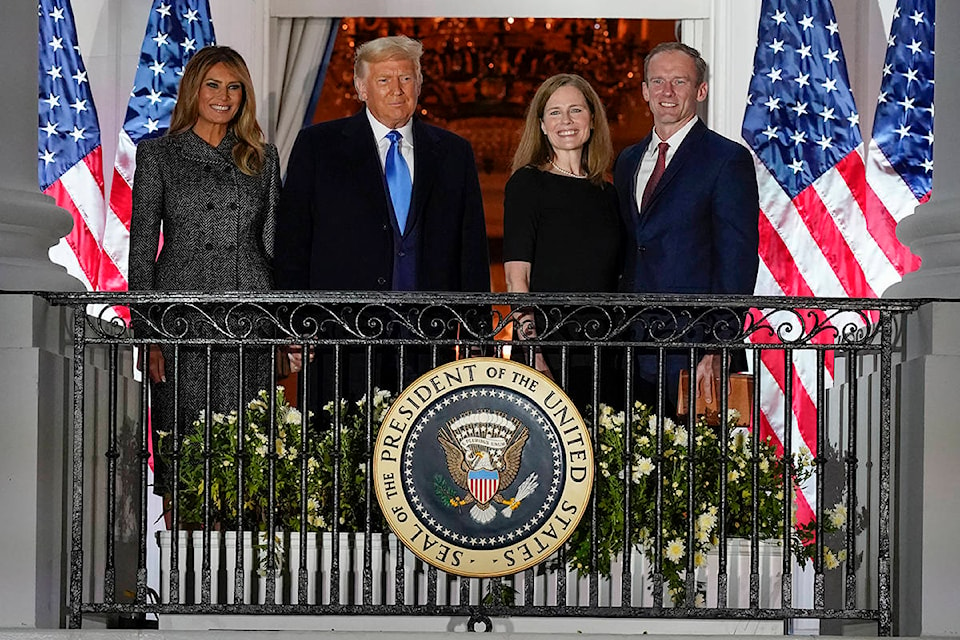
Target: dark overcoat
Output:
{"points": [[335, 227]]}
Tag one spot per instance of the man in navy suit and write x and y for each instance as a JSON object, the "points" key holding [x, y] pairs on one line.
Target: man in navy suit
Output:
{"points": [[688, 197], [381, 201]]}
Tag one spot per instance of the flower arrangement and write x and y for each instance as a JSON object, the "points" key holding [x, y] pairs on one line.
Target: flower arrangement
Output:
{"points": [[288, 451], [617, 467]]}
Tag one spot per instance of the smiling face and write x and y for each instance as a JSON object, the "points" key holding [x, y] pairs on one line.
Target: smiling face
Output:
{"points": [[220, 97], [391, 90], [566, 119], [672, 92]]}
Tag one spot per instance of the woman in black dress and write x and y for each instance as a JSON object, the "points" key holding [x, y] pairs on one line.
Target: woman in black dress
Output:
{"points": [[213, 184], [562, 229]]}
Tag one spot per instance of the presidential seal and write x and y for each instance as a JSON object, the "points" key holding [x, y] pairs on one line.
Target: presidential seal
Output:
{"points": [[483, 467]]}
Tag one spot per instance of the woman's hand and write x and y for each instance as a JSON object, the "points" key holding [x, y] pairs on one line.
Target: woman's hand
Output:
{"points": [[540, 364], [157, 366]]}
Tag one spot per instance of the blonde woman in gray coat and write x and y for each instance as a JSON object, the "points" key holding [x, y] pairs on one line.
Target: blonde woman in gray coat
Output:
{"points": [[213, 184]]}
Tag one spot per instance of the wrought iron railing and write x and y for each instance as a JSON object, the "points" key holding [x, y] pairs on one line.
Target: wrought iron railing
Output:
{"points": [[365, 342]]}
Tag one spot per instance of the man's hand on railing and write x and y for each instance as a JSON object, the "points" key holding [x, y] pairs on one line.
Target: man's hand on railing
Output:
{"points": [[708, 375]]}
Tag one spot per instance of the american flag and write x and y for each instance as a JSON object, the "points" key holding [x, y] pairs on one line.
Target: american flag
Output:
{"points": [[823, 229], [176, 29], [900, 155], [70, 164]]}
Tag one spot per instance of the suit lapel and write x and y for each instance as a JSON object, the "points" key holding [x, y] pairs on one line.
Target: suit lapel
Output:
{"points": [[683, 154], [426, 169], [633, 165], [363, 158]]}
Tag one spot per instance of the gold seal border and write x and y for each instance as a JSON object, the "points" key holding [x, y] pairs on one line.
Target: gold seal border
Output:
{"points": [[541, 542]]}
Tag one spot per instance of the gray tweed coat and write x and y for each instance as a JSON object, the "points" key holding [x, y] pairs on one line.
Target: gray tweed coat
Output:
{"points": [[218, 235]]}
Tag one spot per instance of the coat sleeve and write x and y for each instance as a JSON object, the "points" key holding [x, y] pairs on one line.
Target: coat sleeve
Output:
{"points": [[145, 218], [271, 169], [474, 253], [736, 238], [294, 236]]}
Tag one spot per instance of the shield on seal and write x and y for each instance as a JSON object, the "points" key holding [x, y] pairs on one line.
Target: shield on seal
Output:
{"points": [[483, 484]]}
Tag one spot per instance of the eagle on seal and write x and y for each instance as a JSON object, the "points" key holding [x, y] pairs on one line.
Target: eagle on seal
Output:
{"points": [[483, 450]]}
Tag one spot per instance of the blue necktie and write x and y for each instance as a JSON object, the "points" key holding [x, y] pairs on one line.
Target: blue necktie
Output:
{"points": [[398, 179]]}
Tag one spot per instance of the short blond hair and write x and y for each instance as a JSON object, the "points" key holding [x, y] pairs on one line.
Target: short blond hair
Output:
{"points": [[387, 48]]}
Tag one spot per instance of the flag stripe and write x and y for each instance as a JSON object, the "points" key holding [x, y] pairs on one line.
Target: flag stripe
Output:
{"points": [[70, 162], [832, 244], [880, 224]]}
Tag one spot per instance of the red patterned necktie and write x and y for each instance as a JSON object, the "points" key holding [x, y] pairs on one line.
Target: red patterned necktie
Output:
{"points": [[658, 170]]}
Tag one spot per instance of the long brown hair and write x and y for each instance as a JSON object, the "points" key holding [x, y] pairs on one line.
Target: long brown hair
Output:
{"points": [[534, 148], [248, 152]]}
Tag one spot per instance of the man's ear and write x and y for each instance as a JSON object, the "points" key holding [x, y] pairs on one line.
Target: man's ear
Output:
{"points": [[702, 92]]}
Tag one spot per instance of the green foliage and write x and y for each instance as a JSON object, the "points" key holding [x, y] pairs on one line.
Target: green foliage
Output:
{"points": [[290, 458], [618, 466]]}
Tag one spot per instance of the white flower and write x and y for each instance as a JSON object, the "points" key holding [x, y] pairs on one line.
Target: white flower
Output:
{"points": [[837, 516], [699, 560], [842, 555], [733, 476], [680, 437], [829, 560], [292, 416], [764, 465], [699, 601], [644, 467], [675, 550], [706, 521], [162, 434]]}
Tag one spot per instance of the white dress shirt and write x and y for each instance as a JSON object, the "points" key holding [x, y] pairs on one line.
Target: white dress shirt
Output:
{"points": [[380, 132], [649, 159]]}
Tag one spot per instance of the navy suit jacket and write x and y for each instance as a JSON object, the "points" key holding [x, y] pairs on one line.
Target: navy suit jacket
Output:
{"points": [[699, 232], [335, 225]]}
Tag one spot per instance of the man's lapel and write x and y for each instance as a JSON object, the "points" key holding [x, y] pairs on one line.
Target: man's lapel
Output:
{"points": [[683, 155], [362, 157], [426, 168]]}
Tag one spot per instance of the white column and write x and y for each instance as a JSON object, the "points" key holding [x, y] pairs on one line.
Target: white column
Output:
{"points": [[928, 563], [30, 223], [933, 232]]}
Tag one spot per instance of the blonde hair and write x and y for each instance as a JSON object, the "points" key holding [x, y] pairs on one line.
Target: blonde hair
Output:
{"points": [[248, 152], [387, 48], [535, 149]]}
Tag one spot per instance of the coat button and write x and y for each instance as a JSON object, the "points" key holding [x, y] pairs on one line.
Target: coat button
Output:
{"points": [[209, 246], [206, 167], [386, 227], [641, 249], [381, 281], [401, 253], [210, 206], [233, 206]]}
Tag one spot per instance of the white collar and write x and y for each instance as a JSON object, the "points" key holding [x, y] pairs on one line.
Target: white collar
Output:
{"points": [[678, 136], [381, 130]]}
